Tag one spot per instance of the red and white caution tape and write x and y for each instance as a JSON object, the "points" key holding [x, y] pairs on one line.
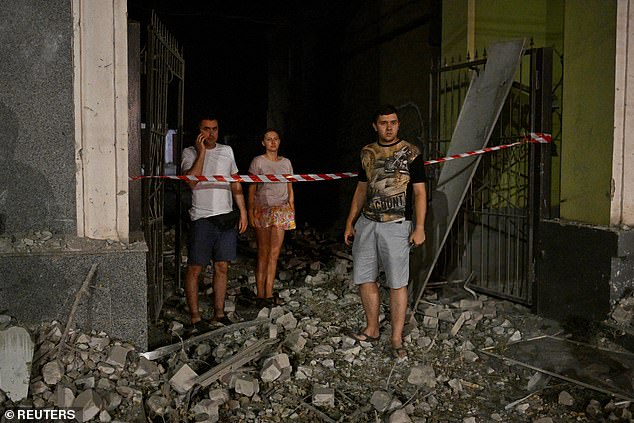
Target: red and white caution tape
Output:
{"points": [[304, 177], [535, 137]]}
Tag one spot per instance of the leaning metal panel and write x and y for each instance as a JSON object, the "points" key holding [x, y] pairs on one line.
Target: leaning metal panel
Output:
{"points": [[478, 115]]}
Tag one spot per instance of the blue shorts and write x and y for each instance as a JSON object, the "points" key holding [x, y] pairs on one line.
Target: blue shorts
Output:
{"points": [[207, 242], [381, 245]]}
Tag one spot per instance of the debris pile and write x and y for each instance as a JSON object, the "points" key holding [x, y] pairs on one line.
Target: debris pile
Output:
{"points": [[294, 362]]}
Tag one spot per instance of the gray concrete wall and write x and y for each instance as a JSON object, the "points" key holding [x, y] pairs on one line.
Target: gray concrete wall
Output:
{"points": [[40, 283], [42, 262], [37, 147]]}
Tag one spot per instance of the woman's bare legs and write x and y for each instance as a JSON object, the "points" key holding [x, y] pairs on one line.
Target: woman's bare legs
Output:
{"points": [[263, 238], [269, 246], [276, 238]]}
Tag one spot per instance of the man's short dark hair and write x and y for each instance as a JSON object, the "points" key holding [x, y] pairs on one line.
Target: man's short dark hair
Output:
{"points": [[386, 109], [208, 116]]}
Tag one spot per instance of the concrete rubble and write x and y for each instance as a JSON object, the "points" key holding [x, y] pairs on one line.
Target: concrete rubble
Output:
{"points": [[299, 366]]}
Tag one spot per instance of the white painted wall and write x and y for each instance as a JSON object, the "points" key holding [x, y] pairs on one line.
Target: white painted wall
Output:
{"points": [[101, 118], [622, 203]]}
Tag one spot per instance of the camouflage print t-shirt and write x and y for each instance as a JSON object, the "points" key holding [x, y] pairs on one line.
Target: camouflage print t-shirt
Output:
{"points": [[386, 169]]}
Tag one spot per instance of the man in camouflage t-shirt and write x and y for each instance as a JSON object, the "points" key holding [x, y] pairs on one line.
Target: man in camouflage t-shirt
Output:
{"points": [[390, 194]]}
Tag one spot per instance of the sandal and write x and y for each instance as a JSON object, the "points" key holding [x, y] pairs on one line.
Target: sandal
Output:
{"points": [[360, 336], [399, 353], [199, 327], [222, 321], [276, 300]]}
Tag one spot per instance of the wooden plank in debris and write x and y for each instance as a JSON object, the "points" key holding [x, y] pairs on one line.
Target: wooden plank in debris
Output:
{"points": [[238, 360], [169, 349]]}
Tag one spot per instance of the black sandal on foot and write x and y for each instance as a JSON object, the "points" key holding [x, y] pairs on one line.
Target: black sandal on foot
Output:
{"points": [[223, 321], [199, 327], [360, 336]]}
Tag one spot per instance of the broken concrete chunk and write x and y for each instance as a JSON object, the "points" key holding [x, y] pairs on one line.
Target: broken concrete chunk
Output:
{"points": [[64, 397], [246, 385], [287, 321], [422, 375], [295, 341], [323, 396], [89, 404], [381, 400], [183, 379], [117, 356], [270, 372], [157, 405], [400, 416], [52, 372], [16, 355], [565, 398]]}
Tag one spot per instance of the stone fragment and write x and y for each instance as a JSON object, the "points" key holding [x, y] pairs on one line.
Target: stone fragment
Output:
{"points": [[517, 336], [219, 396], [148, 369], [469, 420], [64, 397], [323, 396], [565, 398], [295, 341], [246, 385], [98, 343], [399, 416], [89, 404], [52, 372], [117, 356], [183, 379], [422, 375], [537, 381], [157, 405], [87, 382], [206, 411], [381, 400], [16, 355], [470, 356], [270, 372], [543, 420], [455, 385], [430, 322], [287, 321], [104, 417]]}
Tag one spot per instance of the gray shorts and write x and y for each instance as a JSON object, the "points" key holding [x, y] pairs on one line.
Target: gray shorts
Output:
{"points": [[381, 245]]}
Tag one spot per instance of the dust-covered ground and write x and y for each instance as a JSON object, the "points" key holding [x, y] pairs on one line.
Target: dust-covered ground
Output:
{"points": [[294, 362]]}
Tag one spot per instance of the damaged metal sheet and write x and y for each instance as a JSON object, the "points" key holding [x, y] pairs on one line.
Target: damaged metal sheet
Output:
{"points": [[169, 349], [248, 354], [482, 105], [605, 371]]}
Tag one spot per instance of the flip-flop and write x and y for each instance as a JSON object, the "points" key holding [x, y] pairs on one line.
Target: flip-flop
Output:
{"points": [[399, 353], [360, 336], [199, 327], [224, 321]]}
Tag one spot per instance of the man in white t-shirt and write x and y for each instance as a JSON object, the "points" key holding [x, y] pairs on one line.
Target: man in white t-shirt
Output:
{"points": [[208, 239]]}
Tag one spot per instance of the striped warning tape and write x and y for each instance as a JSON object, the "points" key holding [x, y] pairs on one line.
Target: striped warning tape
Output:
{"points": [[535, 137]]}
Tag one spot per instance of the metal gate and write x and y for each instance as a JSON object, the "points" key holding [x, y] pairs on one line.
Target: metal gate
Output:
{"points": [[164, 84], [491, 244]]}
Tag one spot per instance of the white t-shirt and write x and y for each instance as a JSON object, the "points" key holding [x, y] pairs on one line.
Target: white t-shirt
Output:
{"points": [[211, 198]]}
